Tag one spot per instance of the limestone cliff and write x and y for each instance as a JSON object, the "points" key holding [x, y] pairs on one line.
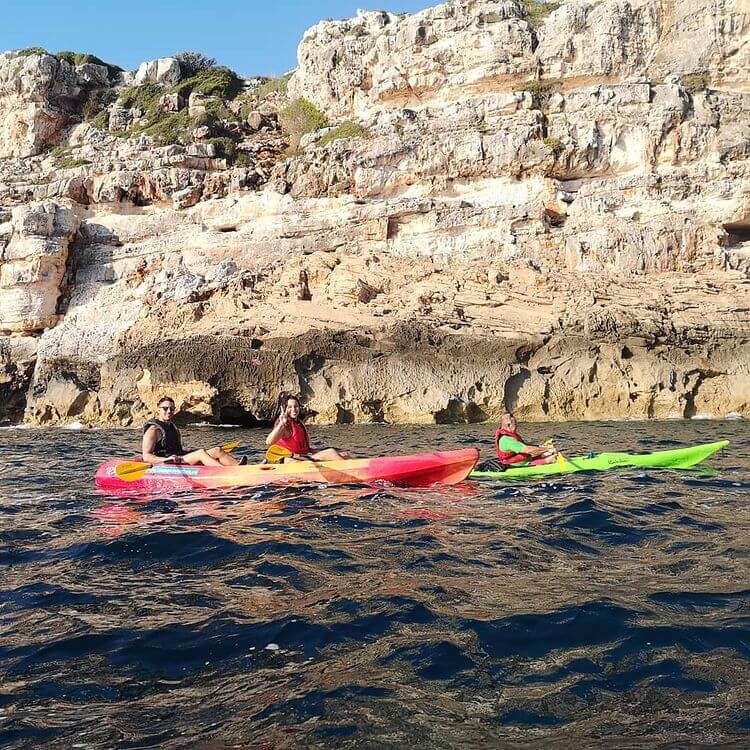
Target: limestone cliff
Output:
{"points": [[485, 205]]}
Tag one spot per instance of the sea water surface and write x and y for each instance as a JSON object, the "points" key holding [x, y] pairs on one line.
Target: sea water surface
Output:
{"points": [[591, 610]]}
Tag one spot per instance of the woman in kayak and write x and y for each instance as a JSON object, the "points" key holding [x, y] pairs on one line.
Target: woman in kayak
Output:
{"points": [[513, 450], [162, 442], [290, 432]]}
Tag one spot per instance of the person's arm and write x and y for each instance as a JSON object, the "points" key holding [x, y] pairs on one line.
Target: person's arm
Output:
{"points": [[278, 431], [539, 450], [148, 444], [508, 443]]}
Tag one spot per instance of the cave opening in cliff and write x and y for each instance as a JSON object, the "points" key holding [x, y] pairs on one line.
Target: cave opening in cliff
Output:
{"points": [[554, 219], [236, 414], [374, 410], [513, 387], [459, 412], [738, 232], [344, 416]]}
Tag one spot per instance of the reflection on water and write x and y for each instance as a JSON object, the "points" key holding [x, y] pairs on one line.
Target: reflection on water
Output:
{"points": [[603, 610]]}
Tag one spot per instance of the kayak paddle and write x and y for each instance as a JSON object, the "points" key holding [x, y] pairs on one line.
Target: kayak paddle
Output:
{"points": [[276, 452], [559, 458], [131, 471]]}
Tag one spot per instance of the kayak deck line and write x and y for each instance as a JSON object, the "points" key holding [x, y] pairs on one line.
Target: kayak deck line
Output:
{"points": [[676, 458]]}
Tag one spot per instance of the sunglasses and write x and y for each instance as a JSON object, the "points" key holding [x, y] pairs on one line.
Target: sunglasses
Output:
{"points": [[166, 408]]}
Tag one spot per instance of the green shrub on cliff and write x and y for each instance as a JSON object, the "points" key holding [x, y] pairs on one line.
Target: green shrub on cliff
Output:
{"points": [[695, 82], [346, 129], [81, 58], [541, 91], [219, 110], [97, 102], [177, 127], [269, 87], [244, 159], [26, 51], [70, 57], [207, 119], [299, 118], [101, 121], [68, 162], [225, 147], [272, 86], [536, 10], [168, 127], [192, 63], [540, 88], [555, 145], [221, 82], [144, 97]]}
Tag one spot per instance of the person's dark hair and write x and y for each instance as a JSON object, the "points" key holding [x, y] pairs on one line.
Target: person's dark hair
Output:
{"points": [[284, 399], [163, 399]]}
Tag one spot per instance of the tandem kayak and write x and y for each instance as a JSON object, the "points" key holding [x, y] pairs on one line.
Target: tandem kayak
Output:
{"points": [[420, 470], [679, 458]]}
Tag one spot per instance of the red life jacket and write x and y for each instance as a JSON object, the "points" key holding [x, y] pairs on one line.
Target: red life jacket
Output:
{"points": [[298, 441], [509, 457]]}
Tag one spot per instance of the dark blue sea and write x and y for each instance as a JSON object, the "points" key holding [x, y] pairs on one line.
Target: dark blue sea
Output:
{"points": [[592, 610]]}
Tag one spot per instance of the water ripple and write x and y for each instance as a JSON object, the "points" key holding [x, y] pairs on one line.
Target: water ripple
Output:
{"points": [[602, 610]]}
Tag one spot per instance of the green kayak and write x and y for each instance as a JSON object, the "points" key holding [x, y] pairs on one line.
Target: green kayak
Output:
{"points": [[680, 458]]}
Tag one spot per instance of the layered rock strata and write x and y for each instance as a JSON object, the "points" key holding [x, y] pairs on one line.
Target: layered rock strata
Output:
{"points": [[546, 210]]}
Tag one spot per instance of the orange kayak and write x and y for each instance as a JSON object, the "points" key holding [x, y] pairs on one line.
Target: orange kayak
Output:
{"points": [[420, 470]]}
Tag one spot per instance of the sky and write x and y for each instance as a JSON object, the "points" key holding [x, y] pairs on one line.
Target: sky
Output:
{"points": [[251, 37]]}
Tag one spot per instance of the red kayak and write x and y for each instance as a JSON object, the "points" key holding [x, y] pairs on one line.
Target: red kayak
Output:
{"points": [[420, 470]]}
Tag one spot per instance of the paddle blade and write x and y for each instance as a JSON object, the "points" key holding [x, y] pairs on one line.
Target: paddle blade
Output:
{"points": [[131, 471], [560, 459], [229, 447], [276, 452]]}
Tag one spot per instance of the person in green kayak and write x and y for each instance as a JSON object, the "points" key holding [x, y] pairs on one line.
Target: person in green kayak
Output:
{"points": [[513, 450], [162, 442], [289, 433]]}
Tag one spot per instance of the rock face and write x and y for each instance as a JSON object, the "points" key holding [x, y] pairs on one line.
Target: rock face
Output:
{"points": [[461, 48], [32, 265], [165, 70], [514, 207], [37, 93]]}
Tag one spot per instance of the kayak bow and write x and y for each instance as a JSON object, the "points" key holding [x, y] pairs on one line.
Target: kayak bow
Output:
{"points": [[679, 458]]}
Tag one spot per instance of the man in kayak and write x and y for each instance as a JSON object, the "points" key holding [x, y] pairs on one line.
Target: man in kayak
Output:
{"points": [[513, 450], [290, 432], [162, 442]]}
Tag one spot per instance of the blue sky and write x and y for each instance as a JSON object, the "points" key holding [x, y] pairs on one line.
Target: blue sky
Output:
{"points": [[253, 38]]}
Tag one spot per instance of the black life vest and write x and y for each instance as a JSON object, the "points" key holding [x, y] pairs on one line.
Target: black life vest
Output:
{"points": [[169, 442]]}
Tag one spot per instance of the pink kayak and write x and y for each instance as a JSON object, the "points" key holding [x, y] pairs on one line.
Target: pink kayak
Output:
{"points": [[420, 470]]}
